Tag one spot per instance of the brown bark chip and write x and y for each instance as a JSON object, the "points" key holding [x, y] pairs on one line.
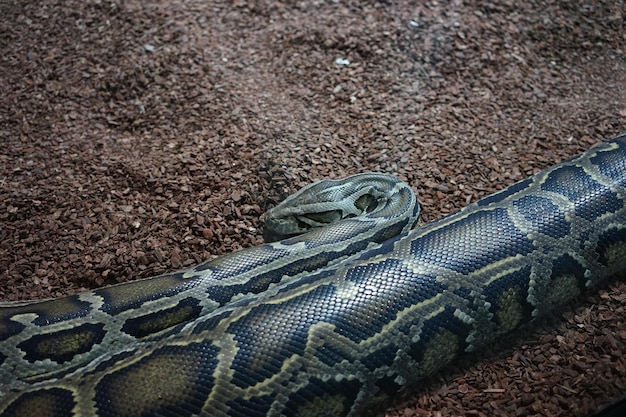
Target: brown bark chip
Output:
{"points": [[140, 137]]}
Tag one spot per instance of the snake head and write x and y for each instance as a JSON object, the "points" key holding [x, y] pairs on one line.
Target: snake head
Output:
{"points": [[327, 202]]}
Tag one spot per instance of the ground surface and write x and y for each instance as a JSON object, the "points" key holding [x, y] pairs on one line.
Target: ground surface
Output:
{"points": [[142, 136]]}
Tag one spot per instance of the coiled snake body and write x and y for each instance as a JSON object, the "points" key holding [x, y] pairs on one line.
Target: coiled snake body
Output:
{"points": [[328, 323]]}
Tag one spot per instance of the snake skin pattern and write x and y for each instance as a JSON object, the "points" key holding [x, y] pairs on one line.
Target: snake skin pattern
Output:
{"points": [[330, 323]]}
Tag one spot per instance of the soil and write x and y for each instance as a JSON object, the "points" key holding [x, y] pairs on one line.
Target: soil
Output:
{"points": [[139, 137]]}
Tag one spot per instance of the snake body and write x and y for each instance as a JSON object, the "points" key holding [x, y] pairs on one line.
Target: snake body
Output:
{"points": [[330, 323]]}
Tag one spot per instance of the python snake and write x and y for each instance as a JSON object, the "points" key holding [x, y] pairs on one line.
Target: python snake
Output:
{"points": [[328, 323]]}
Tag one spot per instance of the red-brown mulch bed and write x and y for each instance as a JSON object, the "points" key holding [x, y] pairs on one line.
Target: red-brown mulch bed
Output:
{"points": [[141, 137]]}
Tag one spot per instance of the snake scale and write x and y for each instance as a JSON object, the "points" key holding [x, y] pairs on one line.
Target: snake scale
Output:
{"points": [[328, 323]]}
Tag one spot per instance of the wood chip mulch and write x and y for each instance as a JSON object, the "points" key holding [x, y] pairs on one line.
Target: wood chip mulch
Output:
{"points": [[142, 137]]}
